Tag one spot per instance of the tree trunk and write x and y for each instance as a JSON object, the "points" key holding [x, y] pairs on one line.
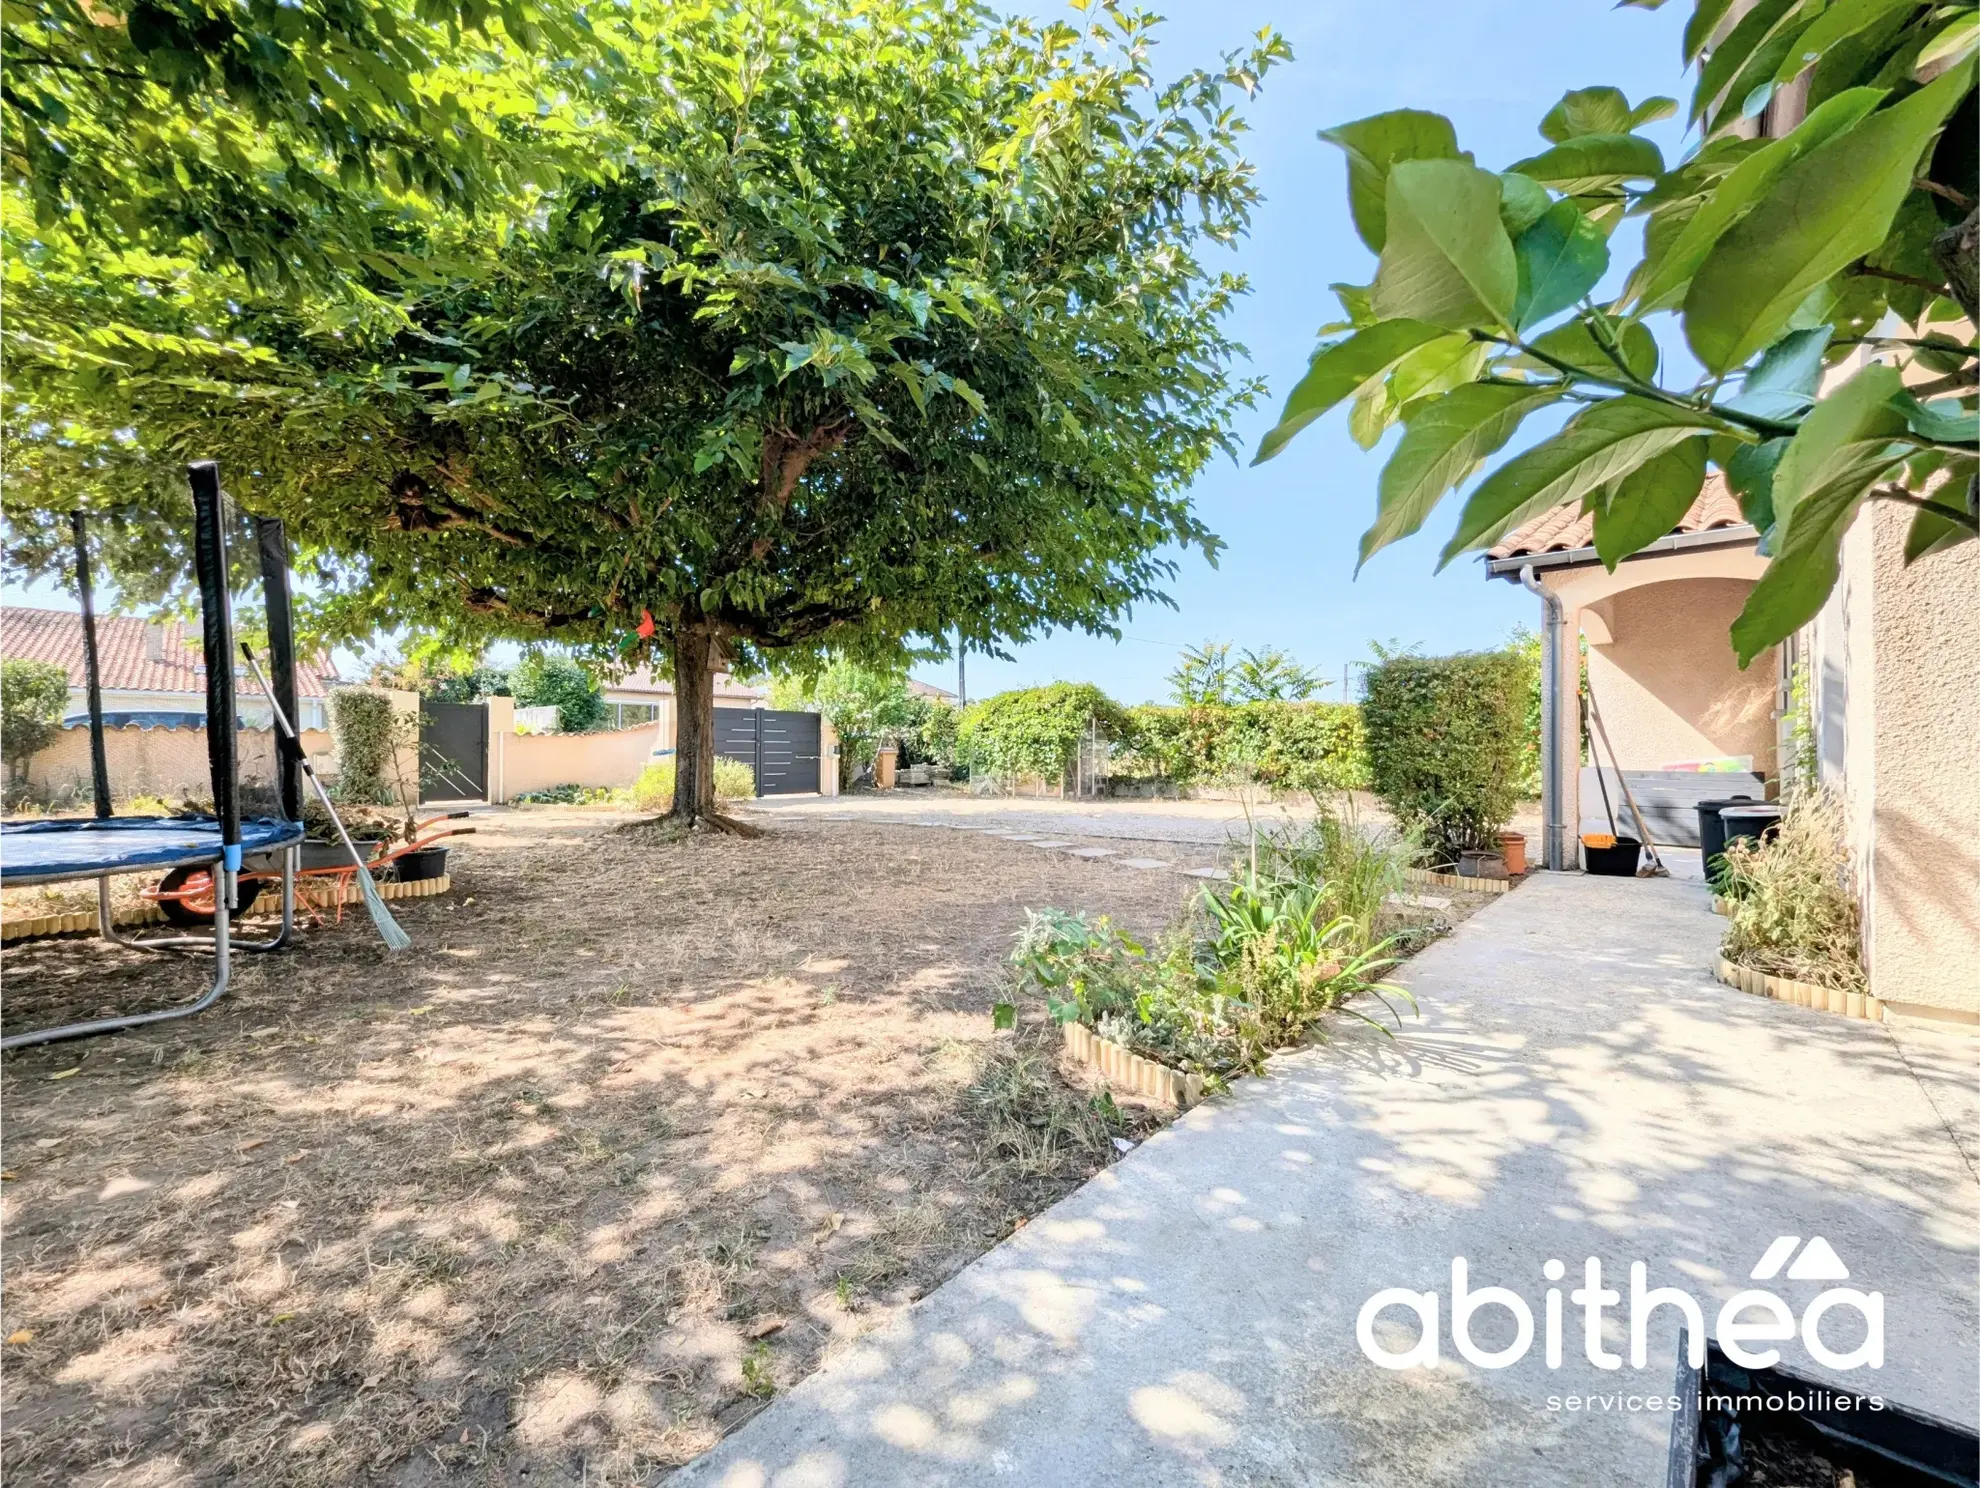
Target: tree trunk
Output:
{"points": [[694, 734]]}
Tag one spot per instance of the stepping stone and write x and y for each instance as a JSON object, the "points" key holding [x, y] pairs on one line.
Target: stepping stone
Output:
{"points": [[1143, 863], [1091, 852], [1205, 873], [1045, 841], [1017, 837]]}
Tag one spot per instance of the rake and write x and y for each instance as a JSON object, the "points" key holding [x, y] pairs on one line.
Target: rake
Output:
{"points": [[395, 938]]}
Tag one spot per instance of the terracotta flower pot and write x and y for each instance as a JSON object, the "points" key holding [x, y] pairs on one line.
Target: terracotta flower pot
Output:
{"points": [[1512, 846]]}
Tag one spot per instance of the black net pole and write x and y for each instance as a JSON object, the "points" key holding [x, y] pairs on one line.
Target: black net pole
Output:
{"points": [[273, 543], [217, 632], [99, 764]]}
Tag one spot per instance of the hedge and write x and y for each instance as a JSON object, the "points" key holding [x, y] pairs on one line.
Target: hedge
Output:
{"points": [[367, 733], [1445, 739], [1286, 746], [1035, 731]]}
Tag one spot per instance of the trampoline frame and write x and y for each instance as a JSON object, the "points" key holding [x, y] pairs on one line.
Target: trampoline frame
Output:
{"points": [[216, 613]]}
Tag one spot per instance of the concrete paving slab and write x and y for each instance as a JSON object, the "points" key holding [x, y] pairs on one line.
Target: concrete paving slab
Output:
{"points": [[1144, 862], [1045, 841], [1578, 1087], [1206, 873], [1092, 852]]}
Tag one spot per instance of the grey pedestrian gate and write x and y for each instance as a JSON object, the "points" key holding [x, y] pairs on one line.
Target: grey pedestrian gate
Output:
{"points": [[453, 751], [782, 748]]}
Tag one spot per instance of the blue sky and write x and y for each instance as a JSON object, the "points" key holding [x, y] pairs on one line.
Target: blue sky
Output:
{"points": [[1286, 577]]}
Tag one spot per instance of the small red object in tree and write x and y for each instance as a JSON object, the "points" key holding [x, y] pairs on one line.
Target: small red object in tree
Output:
{"points": [[646, 625]]}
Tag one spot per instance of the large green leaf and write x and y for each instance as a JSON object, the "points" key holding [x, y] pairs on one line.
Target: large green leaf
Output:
{"points": [[1944, 420], [1844, 442], [1729, 55], [1373, 146], [1672, 258], [1600, 111], [1705, 18], [1843, 19], [1753, 87], [1443, 441], [1785, 381], [1338, 370], [1648, 502], [1574, 344], [1799, 576], [1523, 201], [1599, 445], [1437, 367], [1447, 259], [1560, 258], [1750, 473], [1589, 161], [1826, 210], [1933, 532]]}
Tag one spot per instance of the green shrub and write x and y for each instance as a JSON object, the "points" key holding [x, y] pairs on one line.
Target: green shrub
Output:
{"points": [[33, 695], [1285, 746], [572, 795], [654, 790], [1357, 869], [548, 680], [1445, 736], [1791, 910], [1035, 731], [368, 733]]}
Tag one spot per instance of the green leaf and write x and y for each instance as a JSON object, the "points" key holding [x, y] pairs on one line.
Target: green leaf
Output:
{"points": [[1933, 532], [1447, 259], [1599, 445], [1003, 1015], [1825, 211], [1560, 258], [1787, 378], [1444, 440], [1651, 110], [1953, 44], [1437, 367], [1750, 474], [1844, 442], [1586, 111], [1523, 201], [1371, 413], [1667, 272], [1337, 370], [1648, 502], [1575, 344], [1843, 19], [1943, 420], [1593, 160], [1728, 56], [1799, 575], [1705, 18], [1373, 147]]}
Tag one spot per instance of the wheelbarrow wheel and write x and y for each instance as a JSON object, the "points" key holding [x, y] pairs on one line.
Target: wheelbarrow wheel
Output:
{"points": [[187, 913]]}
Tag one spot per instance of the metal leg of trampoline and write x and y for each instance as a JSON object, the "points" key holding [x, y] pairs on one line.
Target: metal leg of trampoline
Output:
{"points": [[222, 965], [107, 928]]}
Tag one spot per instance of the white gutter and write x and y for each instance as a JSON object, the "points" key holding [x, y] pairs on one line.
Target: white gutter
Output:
{"points": [[1559, 848]]}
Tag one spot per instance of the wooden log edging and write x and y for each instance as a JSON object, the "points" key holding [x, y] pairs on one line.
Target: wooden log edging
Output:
{"points": [[83, 922], [1801, 994], [1130, 1070], [1460, 881]]}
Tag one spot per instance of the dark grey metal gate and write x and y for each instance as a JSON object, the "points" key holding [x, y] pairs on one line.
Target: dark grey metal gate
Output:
{"points": [[453, 751], [781, 748]]}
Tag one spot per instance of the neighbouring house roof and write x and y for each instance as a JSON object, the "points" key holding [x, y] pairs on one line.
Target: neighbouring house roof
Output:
{"points": [[930, 690], [123, 655], [1567, 529]]}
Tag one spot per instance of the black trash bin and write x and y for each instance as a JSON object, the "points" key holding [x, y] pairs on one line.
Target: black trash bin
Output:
{"points": [[1712, 833], [1758, 821]]}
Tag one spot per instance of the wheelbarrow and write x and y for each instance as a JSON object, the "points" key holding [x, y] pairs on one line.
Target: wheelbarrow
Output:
{"points": [[185, 895]]}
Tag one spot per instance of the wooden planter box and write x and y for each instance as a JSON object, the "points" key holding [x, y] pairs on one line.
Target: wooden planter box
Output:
{"points": [[1130, 1071], [1801, 994]]}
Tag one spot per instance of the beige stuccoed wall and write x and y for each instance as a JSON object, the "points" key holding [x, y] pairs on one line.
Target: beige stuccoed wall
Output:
{"points": [[1922, 905], [1662, 670], [161, 762], [538, 761]]}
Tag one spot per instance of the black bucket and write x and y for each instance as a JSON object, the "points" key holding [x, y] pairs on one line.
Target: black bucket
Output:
{"points": [[424, 863], [1613, 862]]}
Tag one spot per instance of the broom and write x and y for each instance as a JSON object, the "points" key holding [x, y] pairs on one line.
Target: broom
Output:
{"points": [[388, 928]]}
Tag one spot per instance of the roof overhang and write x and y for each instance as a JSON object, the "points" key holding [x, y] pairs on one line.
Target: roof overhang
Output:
{"points": [[1743, 535]]}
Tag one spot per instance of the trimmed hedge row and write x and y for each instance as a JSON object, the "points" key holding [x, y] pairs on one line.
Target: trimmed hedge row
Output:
{"points": [[1446, 740], [1034, 730], [1286, 746]]}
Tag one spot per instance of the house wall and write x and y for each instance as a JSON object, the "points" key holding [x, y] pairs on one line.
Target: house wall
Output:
{"points": [[1922, 897], [1662, 671], [163, 762], [538, 761]]}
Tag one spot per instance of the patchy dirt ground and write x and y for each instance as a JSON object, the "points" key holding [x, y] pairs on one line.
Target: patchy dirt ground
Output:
{"points": [[631, 1137]]}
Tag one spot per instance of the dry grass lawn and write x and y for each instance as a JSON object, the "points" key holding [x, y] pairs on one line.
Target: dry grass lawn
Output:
{"points": [[630, 1139]]}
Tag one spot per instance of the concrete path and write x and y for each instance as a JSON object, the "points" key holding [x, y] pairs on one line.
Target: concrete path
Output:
{"points": [[1577, 1087]]}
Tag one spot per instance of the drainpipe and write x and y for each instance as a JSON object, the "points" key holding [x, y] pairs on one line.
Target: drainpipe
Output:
{"points": [[1558, 834]]}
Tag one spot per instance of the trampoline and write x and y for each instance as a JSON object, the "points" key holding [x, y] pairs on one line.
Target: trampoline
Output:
{"points": [[64, 850]]}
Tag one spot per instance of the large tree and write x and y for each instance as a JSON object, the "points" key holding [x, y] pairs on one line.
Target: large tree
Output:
{"points": [[871, 324], [1829, 191]]}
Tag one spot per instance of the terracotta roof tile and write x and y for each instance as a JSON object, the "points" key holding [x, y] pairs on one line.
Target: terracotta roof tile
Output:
{"points": [[56, 635], [1567, 528]]}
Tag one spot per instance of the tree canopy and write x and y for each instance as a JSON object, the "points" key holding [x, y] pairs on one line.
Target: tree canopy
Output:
{"points": [[1827, 192], [869, 323]]}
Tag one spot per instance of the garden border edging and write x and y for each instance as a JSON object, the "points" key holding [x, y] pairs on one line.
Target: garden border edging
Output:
{"points": [[1134, 1072], [1801, 994]]}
